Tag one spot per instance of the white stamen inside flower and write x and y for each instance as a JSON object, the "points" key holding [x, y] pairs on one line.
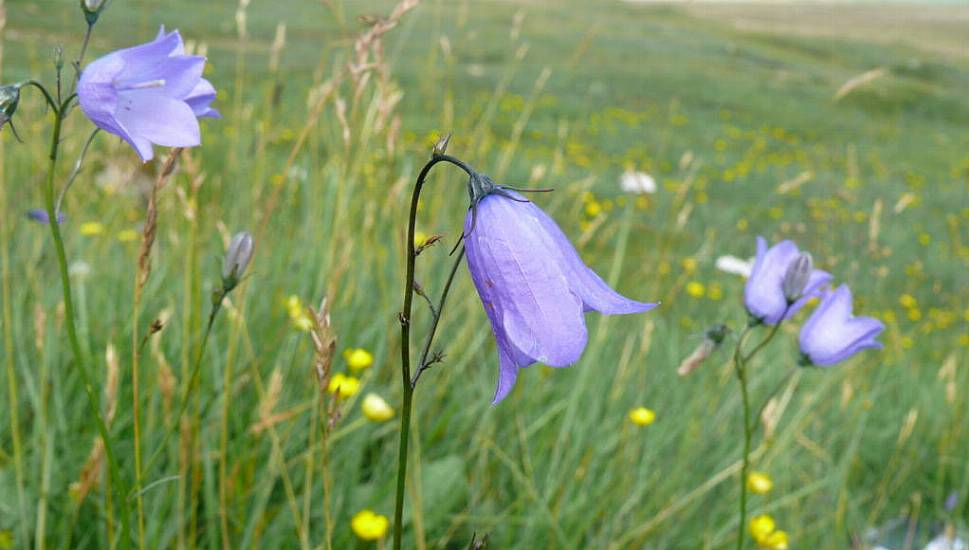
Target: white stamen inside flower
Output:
{"points": [[158, 83]]}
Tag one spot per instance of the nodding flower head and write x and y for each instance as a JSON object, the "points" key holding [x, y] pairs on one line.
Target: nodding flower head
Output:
{"points": [[832, 334], [775, 274], [534, 287], [148, 94]]}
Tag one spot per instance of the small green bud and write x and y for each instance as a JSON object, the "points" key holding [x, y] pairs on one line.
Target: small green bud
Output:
{"points": [[92, 9], [441, 146]]}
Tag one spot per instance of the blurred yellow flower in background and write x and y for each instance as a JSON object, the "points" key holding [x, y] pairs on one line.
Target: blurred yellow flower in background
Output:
{"points": [[641, 416], [358, 358], [777, 540], [759, 483], [343, 385], [376, 409], [297, 313], [761, 526], [127, 235], [368, 525], [695, 289], [91, 229]]}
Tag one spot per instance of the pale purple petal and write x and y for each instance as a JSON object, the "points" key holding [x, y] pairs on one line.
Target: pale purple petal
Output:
{"points": [[175, 76], [200, 98], [507, 374], [539, 313], [832, 334], [595, 294], [142, 57], [816, 283], [159, 119]]}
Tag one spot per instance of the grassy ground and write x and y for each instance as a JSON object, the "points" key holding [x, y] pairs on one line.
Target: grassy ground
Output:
{"points": [[723, 107]]}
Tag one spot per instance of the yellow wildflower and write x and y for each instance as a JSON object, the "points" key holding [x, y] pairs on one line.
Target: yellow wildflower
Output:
{"points": [[376, 409], [641, 416], [907, 300], [695, 289], [358, 358], [759, 483], [303, 322], [294, 306], [419, 238], [369, 525], [777, 540], [689, 265], [127, 235], [593, 208], [715, 292], [761, 526], [347, 386], [90, 229]]}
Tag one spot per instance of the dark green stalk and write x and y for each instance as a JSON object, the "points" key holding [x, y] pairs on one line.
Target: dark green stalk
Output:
{"points": [[405, 318], [193, 380], [86, 378], [740, 365]]}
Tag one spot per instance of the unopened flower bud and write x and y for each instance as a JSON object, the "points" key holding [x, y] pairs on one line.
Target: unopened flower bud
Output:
{"points": [[236, 260], [796, 277], [441, 146], [713, 337], [92, 9], [58, 57], [9, 99]]}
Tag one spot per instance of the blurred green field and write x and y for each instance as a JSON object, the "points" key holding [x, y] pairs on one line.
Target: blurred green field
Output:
{"points": [[732, 108]]}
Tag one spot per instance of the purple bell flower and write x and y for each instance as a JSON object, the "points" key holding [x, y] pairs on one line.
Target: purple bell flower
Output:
{"points": [[533, 285], [764, 294], [40, 215], [148, 94], [832, 334]]}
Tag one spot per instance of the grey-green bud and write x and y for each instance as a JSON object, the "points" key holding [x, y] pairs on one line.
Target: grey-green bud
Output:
{"points": [[441, 146], [796, 277], [236, 259], [9, 99], [92, 9]]}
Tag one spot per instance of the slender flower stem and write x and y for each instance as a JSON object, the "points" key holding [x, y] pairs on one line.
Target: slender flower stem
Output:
{"points": [[193, 380], [740, 369], [87, 380], [405, 319], [738, 362], [423, 364], [76, 170], [50, 100]]}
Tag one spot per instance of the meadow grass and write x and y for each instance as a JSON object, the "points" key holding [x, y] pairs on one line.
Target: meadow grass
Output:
{"points": [[739, 126]]}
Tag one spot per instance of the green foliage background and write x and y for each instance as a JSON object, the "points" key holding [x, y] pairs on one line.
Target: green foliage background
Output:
{"points": [[722, 105]]}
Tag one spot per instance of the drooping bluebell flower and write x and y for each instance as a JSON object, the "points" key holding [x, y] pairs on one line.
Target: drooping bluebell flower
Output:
{"points": [[764, 294], [148, 94], [532, 283], [40, 215], [832, 334]]}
